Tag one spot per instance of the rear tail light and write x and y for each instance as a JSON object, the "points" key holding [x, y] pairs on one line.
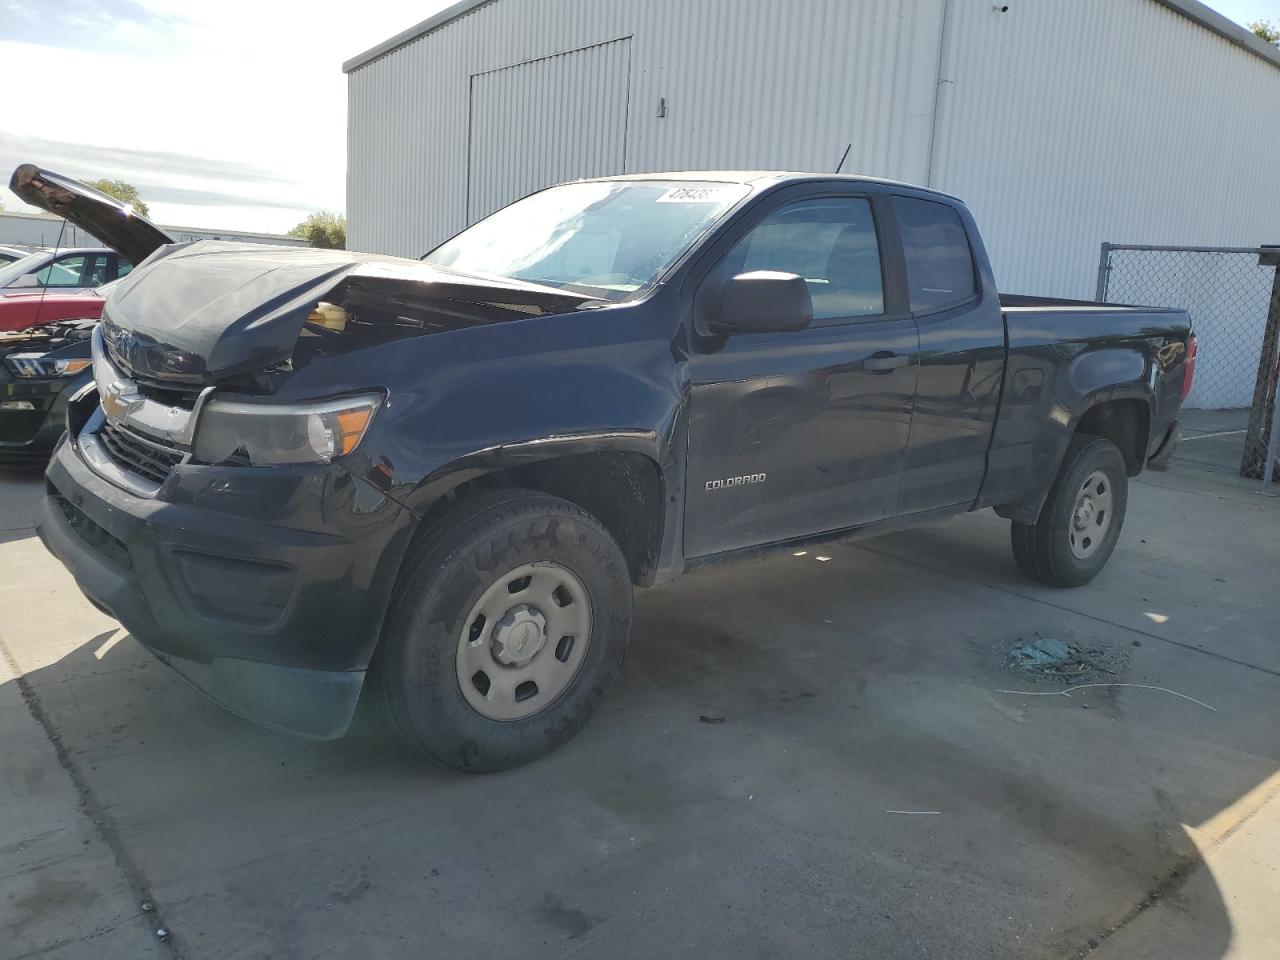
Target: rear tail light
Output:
{"points": [[1189, 368]]}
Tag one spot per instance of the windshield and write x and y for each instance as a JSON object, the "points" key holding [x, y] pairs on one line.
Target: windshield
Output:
{"points": [[610, 239], [12, 271]]}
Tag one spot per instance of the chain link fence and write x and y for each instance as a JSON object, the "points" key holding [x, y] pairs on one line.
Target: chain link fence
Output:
{"points": [[1233, 296]]}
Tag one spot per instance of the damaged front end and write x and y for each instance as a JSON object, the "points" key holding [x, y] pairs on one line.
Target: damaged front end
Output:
{"points": [[195, 343], [213, 310]]}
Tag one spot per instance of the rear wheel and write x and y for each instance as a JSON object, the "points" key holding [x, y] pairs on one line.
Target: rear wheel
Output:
{"points": [[511, 622], [1080, 521]]}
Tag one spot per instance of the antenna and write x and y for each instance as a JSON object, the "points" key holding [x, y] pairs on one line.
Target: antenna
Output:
{"points": [[843, 157], [44, 288]]}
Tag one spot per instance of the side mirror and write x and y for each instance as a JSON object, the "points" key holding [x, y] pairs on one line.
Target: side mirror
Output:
{"points": [[28, 281], [763, 301]]}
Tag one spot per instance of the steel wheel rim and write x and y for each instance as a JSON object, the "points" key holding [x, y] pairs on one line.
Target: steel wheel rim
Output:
{"points": [[1092, 515], [524, 641]]}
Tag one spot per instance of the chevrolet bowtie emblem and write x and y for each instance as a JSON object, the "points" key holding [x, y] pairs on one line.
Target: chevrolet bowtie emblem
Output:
{"points": [[119, 398]]}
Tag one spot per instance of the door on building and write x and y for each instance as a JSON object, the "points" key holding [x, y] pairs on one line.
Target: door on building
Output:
{"points": [[798, 432], [545, 121]]}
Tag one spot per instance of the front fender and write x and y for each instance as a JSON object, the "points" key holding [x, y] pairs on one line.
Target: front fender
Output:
{"points": [[646, 520], [441, 481]]}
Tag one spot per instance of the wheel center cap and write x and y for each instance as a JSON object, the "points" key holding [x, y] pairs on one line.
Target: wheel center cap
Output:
{"points": [[1084, 513], [519, 635]]}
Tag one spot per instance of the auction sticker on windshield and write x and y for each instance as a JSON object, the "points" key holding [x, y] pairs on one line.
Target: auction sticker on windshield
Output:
{"points": [[720, 193]]}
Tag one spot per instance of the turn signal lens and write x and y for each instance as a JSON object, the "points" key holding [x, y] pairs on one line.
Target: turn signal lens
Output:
{"points": [[351, 426]]}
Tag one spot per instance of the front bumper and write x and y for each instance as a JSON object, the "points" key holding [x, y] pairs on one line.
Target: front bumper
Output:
{"points": [[28, 436], [265, 588]]}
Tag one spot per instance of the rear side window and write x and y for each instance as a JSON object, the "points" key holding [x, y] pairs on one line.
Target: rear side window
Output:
{"points": [[831, 243], [940, 270], [77, 270], [62, 273]]}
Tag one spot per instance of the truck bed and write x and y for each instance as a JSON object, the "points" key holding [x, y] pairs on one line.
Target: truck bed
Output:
{"points": [[1022, 302], [1063, 356]]}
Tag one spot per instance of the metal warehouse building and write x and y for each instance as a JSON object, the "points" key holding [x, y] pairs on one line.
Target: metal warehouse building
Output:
{"points": [[1063, 123]]}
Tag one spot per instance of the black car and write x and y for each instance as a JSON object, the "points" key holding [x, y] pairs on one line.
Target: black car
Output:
{"points": [[43, 366], [306, 469], [40, 370]]}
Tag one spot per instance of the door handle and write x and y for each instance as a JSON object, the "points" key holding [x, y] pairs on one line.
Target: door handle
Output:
{"points": [[885, 362]]}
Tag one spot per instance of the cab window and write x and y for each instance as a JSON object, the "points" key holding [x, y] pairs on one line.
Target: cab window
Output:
{"points": [[940, 271], [832, 243]]}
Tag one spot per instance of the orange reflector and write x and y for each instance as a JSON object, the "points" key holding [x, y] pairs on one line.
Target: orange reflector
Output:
{"points": [[351, 427]]}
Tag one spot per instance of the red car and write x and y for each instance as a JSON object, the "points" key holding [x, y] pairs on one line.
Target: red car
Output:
{"points": [[21, 311]]}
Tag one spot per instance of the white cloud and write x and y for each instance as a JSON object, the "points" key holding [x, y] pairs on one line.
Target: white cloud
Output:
{"points": [[236, 98]]}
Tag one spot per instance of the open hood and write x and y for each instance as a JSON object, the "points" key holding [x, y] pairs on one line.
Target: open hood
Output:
{"points": [[105, 217], [212, 309]]}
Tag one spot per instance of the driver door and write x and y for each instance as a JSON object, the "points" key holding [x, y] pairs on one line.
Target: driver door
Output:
{"points": [[798, 433]]}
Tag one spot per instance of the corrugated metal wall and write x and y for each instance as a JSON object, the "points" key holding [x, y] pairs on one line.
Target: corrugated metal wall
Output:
{"points": [[1067, 124], [746, 84], [546, 121], [1062, 123]]}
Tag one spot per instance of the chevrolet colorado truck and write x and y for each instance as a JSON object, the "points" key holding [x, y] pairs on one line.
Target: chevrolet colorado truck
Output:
{"points": [[304, 472]]}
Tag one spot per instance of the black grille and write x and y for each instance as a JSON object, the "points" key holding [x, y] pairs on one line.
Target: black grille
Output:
{"points": [[20, 426], [94, 535], [150, 461], [182, 395]]}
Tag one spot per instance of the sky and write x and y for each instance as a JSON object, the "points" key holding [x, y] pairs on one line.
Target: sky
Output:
{"points": [[228, 114], [1247, 11]]}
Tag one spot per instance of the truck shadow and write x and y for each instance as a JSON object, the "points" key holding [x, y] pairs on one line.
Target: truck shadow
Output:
{"points": [[771, 719]]}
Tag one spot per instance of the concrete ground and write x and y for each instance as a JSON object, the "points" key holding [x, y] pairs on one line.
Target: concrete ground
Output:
{"points": [[873, 790], [1213, 441]]}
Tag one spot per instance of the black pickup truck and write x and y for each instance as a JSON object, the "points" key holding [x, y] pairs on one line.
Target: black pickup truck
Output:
{"points": [[304, 467]]}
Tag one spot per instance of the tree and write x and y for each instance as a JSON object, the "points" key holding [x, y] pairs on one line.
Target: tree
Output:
{"points": [[323, 229], [1266, 30], [124, 192]]}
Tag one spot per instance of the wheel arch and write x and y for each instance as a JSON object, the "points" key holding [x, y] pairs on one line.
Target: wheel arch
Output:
{"points": [[1125, 421], [616, 477], [1120, 414]]}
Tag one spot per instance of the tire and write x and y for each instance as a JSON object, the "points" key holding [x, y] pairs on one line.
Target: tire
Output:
{"points": [[1066, 548], [481, 551]]}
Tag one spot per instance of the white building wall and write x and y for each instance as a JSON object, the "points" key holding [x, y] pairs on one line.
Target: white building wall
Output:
{"points": [[545, 121], [1066, 124], [38, 231], [35, 232], [746, 84], [1063, 123]]}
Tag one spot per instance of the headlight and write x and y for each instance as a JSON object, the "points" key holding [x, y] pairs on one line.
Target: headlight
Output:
{"points": [[35, 366], [269, 433]]}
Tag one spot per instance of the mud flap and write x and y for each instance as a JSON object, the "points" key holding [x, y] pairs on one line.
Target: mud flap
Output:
{"points": [[1159, 460]]}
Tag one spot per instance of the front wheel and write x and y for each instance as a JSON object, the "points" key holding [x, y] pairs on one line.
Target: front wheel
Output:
{"points": [[1080, 521], [510, 623]]}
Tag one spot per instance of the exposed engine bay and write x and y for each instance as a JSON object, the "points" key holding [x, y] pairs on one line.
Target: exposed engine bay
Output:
{"points": [[365, 310], [220, 312], [48, 337]]}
